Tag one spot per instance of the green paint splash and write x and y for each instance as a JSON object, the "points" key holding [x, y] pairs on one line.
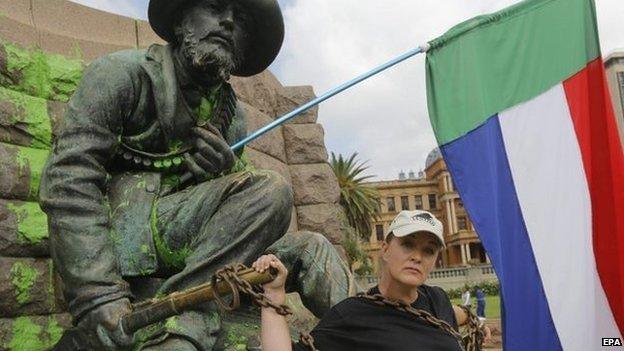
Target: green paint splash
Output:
{"points": [[242, 164], [48, 76], [32, 160], [171, 258], [23, 278], [32, 222], [30, 336], [54, 331], [51, 295], [31, 116]]}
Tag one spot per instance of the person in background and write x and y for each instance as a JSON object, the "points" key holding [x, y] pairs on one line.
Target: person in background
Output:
{"points": [[480, 303], [466, 301]]}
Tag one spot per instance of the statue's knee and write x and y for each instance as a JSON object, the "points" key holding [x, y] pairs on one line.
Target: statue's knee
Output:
{"points": [[314, 240]]}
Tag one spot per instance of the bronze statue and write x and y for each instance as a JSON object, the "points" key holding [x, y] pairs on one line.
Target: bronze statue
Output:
{"points": [[138, 121]]}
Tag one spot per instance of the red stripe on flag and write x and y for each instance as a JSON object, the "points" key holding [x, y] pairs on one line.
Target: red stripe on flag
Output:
{"points": [[603, 159]]}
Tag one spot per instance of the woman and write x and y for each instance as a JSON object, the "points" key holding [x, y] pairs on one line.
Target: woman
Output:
{"points": [[408, 254]]}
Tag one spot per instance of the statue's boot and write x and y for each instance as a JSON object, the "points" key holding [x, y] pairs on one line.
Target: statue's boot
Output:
{"points": [[315, 270], [190, 331]]}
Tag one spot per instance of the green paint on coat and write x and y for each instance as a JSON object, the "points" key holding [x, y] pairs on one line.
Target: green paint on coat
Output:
{"points": [[172, 324], [32, 222], [170, 181], [206, 106], [48, 76], [29, 336], [23, 278], [31, 116], [242, 164], [32, 161], [171, 258]]}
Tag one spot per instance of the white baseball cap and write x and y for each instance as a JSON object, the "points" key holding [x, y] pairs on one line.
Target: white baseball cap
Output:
{"points": [[410, 222]]}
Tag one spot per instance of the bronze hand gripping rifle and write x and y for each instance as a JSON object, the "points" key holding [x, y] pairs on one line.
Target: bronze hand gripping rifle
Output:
{"points": [[155, 310]]}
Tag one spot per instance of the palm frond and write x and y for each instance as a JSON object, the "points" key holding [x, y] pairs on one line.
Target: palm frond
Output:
{"points": [[361, 203]]}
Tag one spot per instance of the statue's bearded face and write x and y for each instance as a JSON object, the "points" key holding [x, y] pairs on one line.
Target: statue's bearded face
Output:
{"points": [[211, 36]]}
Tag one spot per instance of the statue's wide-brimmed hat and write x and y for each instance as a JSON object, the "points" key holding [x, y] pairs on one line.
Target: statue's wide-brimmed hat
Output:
{"points": [[265, 29]]}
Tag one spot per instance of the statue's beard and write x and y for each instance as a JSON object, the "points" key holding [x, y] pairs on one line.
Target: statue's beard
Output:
{"points": [[207, 59]]}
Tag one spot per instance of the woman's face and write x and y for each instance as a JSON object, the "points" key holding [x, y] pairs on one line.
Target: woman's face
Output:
{"points": [[408, 260]]}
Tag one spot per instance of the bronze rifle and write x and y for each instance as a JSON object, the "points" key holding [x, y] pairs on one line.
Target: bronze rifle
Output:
{"points": [[158, 309]]}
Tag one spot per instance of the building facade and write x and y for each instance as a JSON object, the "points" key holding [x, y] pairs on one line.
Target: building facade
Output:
{"points": [[614, 66], [433, 191]]}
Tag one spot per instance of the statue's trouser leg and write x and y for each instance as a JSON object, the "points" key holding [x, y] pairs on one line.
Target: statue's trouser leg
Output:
{"points": [[227, 220], [316, 271]]}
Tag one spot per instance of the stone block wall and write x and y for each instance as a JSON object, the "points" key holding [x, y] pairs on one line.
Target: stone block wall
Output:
{"points": [[44, 45]]}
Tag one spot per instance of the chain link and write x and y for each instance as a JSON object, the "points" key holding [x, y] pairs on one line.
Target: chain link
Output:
{"points": [[229, 274], [471, 341]]}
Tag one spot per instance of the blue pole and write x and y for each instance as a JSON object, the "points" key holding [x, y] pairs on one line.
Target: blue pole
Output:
{"points": [[253, 136]]}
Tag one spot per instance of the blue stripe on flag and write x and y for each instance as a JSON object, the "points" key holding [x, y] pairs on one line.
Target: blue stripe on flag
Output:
{"points": [[480, 168]]}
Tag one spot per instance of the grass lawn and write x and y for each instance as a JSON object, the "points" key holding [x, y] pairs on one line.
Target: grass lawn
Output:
{"points": [[492, 306]]}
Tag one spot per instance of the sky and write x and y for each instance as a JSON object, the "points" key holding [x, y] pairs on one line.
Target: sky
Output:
{"points": [[383, 119]]}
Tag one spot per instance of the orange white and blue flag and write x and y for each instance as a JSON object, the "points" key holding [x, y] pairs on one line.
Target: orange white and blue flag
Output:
{"points": [[521, 111]]}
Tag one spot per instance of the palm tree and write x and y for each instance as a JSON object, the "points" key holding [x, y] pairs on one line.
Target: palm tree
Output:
{"points": [[360, 203]]}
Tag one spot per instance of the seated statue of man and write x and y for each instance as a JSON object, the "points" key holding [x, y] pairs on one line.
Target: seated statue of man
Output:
{"points": [[112, 188]]}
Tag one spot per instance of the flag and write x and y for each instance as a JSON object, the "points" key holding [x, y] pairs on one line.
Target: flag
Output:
{"points": [[520, 108]]}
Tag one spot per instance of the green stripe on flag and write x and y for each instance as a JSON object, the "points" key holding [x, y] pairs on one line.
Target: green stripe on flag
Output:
{"points": [[490, 63]]}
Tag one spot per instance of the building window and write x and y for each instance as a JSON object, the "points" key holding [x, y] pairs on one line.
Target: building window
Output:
{"points": [[432, 202], [390, 204], [462, 223], [419, 202], [405, 203], [380, 232]]}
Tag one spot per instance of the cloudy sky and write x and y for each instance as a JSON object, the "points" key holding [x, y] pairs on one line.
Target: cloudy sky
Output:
{"points": [[329, 42]]}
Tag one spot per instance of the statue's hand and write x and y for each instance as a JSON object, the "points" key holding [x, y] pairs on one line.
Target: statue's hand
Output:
{"points": [[105, 321], [274, 290], [213, 154]]}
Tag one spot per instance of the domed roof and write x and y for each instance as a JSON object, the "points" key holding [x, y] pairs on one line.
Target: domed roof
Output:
{"points": [[433, 156]]}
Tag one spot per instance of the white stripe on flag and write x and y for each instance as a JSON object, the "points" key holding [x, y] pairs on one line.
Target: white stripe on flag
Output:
{"points": [[547, 169]]}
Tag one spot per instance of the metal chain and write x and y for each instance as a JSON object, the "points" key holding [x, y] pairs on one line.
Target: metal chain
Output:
{"points": [[229, 274], [307, 340], [420, 314], [469, 342], [473, 339]]}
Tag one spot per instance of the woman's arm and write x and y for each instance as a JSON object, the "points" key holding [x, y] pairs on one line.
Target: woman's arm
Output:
{"points": [[462, 318], [275, 334], [460, 315]]}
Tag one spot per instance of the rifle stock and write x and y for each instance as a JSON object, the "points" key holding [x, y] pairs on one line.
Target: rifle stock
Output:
{"points": [[158, 309]]}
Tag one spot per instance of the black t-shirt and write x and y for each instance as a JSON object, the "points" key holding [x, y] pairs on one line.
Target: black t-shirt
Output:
{"points": [[356, 324]]}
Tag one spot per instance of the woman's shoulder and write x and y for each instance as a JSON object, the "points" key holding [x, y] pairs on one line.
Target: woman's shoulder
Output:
{"points": [[351, 307], [442, 303], [436, 292]]}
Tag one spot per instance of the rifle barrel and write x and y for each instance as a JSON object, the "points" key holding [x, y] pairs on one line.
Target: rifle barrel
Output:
{"points": [[156, 310]]}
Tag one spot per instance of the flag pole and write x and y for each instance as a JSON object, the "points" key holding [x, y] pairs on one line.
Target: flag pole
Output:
{"points": [[337, 90]]}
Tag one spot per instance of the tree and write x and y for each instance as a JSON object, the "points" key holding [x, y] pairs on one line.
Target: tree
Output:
{"points": [[360, 202]]}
